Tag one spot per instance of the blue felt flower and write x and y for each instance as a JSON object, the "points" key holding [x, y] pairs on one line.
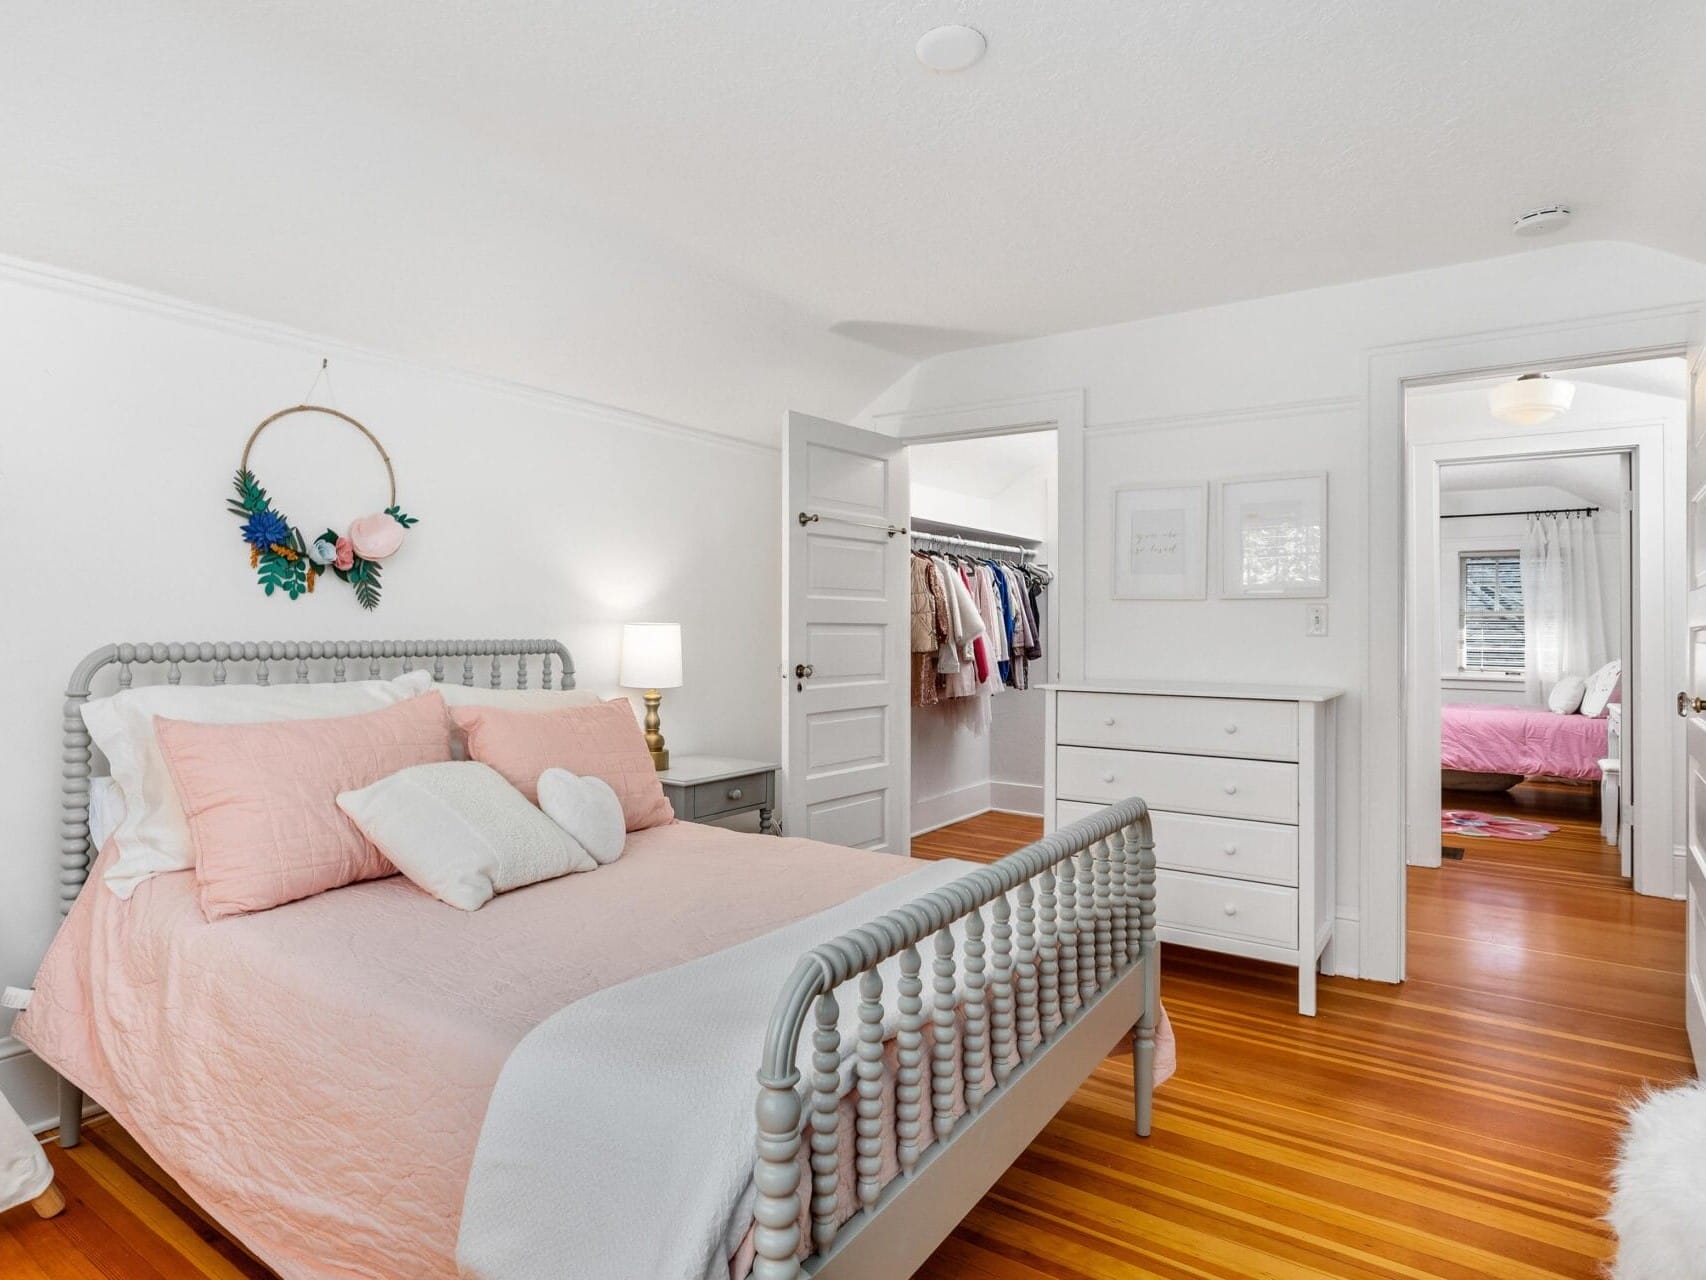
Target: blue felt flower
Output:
{"points": [[323, 551], [265, 529]]}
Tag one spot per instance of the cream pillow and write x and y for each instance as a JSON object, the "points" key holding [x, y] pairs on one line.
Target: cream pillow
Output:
{"points": [[1600, 686], [461, 832], [473, 695], [154, 836], [1566, 696], [587, 809]]}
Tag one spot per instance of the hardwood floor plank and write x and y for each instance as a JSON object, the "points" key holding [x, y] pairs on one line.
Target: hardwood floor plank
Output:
{"points": [[1455, 1127]]}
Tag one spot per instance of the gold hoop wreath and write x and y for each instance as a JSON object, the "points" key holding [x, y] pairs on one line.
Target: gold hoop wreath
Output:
{"points": [[284, 561]]}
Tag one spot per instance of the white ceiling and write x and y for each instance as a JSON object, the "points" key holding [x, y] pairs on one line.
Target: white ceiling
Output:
{"points": [[710, 210], [983, 467], [1593, 479]]}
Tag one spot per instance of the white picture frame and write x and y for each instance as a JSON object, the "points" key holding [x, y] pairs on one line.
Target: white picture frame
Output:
{"points": [[1273, 537], [1160, 542]]}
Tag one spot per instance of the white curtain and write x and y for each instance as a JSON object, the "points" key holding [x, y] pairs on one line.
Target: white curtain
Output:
{"points": [[1562, 603]]}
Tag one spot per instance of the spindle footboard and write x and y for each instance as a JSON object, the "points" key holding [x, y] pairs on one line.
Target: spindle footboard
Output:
{"points": [[1017, 1027]]}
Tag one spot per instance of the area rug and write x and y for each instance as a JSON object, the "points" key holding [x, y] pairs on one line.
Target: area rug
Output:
{"points": [[1490, 826]]}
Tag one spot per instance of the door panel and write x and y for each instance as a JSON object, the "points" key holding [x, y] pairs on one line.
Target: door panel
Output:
{"points": [[1696, 981], [848, 621]]}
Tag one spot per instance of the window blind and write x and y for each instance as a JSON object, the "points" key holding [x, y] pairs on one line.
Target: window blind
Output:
{"points": [[1492, 616]]}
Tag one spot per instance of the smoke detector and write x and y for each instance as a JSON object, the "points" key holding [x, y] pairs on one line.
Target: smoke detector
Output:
{"points": [[951, 48], [1542, 222]]}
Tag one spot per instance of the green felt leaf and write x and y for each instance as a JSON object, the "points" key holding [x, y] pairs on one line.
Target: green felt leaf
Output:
{"points": [[401, 517]]}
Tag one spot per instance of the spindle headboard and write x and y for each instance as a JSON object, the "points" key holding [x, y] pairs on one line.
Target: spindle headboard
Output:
{"points": [[311, 662]]}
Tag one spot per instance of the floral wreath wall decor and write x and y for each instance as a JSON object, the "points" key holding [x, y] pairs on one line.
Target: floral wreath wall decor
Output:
{"points": [[283, 560]]}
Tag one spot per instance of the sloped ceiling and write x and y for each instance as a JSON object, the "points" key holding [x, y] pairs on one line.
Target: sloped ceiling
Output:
{"points": [[711, 211]]}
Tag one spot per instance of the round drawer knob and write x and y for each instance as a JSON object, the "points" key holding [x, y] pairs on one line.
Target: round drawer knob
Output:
{"points": [[1107, 777], [1109, 721], [735, 793], [1231, 788], [1230, 850], [1230, 727], [1231, 908]]}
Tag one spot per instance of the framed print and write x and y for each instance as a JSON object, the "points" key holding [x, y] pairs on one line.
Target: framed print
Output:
{"points": [[1161, 542], [1273, 537]]}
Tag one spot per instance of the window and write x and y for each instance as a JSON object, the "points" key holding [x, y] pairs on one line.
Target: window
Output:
{"points": [[1491, 598]]}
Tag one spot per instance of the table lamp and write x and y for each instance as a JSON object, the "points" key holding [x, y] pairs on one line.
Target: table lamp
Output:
{"points": [[651, 660]]}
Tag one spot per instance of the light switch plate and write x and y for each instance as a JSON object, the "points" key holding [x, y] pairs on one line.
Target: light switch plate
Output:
{"points": [[1315, 620]]}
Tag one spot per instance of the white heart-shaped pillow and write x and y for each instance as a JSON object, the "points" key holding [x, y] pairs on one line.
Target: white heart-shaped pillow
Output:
{"points": [[587, 809]]}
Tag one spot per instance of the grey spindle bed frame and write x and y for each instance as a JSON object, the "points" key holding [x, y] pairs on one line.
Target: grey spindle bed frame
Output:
{"points": [[1026, 1026]]}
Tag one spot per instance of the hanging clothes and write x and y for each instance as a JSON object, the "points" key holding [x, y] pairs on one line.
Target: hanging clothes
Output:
{"points": [[976, 628], [929, 630]]}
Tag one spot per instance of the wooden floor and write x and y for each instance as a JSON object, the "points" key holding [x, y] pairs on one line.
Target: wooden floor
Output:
{"points": [[1457, 1126]]}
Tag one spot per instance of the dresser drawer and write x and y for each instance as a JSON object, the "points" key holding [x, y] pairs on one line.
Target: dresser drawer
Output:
{"points": [[1191, 726], [1230, 908], [1263, 851], [1258, 789], [727, 795]]}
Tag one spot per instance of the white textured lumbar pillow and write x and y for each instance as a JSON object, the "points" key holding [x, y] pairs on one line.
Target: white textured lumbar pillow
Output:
{"points": [[587, 809], [1566, 696], [1600, 686], [461, 832]]}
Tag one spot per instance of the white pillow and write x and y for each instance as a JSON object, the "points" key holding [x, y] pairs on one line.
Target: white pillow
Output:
{"points": [[1566, 696], [154, 836], [106, 811], [587, 809], [465, 695], [461, 832], [1600, 686]]}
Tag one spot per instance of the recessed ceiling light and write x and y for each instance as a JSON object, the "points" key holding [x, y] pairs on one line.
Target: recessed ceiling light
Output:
{"points": [[1541, 222], [951, 48]]}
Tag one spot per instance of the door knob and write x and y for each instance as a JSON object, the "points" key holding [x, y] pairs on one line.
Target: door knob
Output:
{"points": [[1685, 704], [802, 670]]}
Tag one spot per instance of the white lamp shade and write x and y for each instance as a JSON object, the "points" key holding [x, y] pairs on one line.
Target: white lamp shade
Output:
{"points": [[651, 655], [1532, 399]]}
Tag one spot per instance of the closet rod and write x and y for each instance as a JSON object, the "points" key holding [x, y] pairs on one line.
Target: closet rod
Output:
{"points": [[1544, 511], [1006, 549]]}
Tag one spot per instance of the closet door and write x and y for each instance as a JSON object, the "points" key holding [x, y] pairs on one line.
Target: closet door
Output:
{"points": [[847, 619]]}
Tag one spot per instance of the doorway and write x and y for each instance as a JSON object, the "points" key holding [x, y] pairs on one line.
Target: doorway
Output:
{"points": [[988, 499], [1537, 631]]}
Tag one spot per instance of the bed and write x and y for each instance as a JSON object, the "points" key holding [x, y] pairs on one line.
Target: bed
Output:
{"points": [[384, 1050], [1483, 740]]}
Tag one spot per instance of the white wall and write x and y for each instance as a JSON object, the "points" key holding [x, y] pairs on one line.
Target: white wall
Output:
{"points": [[539, 515], [963, 764], [1277, 384]]}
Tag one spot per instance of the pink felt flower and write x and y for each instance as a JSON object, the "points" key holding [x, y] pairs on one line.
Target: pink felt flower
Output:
{"points": [[375, 537], [345, 556]]}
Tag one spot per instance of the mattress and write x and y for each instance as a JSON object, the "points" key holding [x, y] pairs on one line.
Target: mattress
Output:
{"points": [[1531, 741], [316, 1075]]}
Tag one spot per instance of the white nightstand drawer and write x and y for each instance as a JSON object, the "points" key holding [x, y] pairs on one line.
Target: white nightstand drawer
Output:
{"points": [[1265, 851], [1230, 908], [1200, 726], [1259, 789]]}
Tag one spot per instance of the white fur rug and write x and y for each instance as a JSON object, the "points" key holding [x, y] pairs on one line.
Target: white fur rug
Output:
{"points": [[1659, 1187]]}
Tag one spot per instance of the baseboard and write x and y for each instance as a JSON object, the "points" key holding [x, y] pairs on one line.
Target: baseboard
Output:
{"points": [[1343, 957], [1679, 875], [29, 1084], [1017, 797], [931, 812]]}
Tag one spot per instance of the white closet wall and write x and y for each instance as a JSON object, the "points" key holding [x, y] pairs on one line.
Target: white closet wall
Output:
{"points": [[960, 767]]}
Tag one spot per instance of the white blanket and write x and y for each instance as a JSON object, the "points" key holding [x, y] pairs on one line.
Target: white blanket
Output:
{"points": [[619, 1139]]}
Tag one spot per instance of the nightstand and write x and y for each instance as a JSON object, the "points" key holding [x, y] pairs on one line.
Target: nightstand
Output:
{"points": [[701, 787]]}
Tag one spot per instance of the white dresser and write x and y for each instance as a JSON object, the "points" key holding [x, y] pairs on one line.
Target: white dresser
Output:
{"points": [[1239, 782]]}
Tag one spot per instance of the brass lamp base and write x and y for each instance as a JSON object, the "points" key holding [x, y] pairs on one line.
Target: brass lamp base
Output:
{"points": [[654, 731]]}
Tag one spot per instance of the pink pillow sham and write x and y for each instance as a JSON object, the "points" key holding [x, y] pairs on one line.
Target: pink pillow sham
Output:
{"points": [[601, 741], [262, 799]]}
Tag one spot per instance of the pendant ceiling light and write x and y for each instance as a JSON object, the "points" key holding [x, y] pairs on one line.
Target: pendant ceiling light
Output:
{"points": [[1531, 399]]}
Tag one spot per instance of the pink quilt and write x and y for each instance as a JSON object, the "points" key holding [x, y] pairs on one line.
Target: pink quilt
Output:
{"points": [[316, 1075], [1532, 741]]}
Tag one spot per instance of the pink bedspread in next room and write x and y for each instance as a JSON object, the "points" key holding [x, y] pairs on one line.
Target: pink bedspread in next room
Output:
{"points": [[1531, 741], [316, 1075]]}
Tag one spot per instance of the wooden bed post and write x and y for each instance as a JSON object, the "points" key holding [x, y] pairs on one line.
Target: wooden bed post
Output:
{"points": [[1143, 1041]]}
